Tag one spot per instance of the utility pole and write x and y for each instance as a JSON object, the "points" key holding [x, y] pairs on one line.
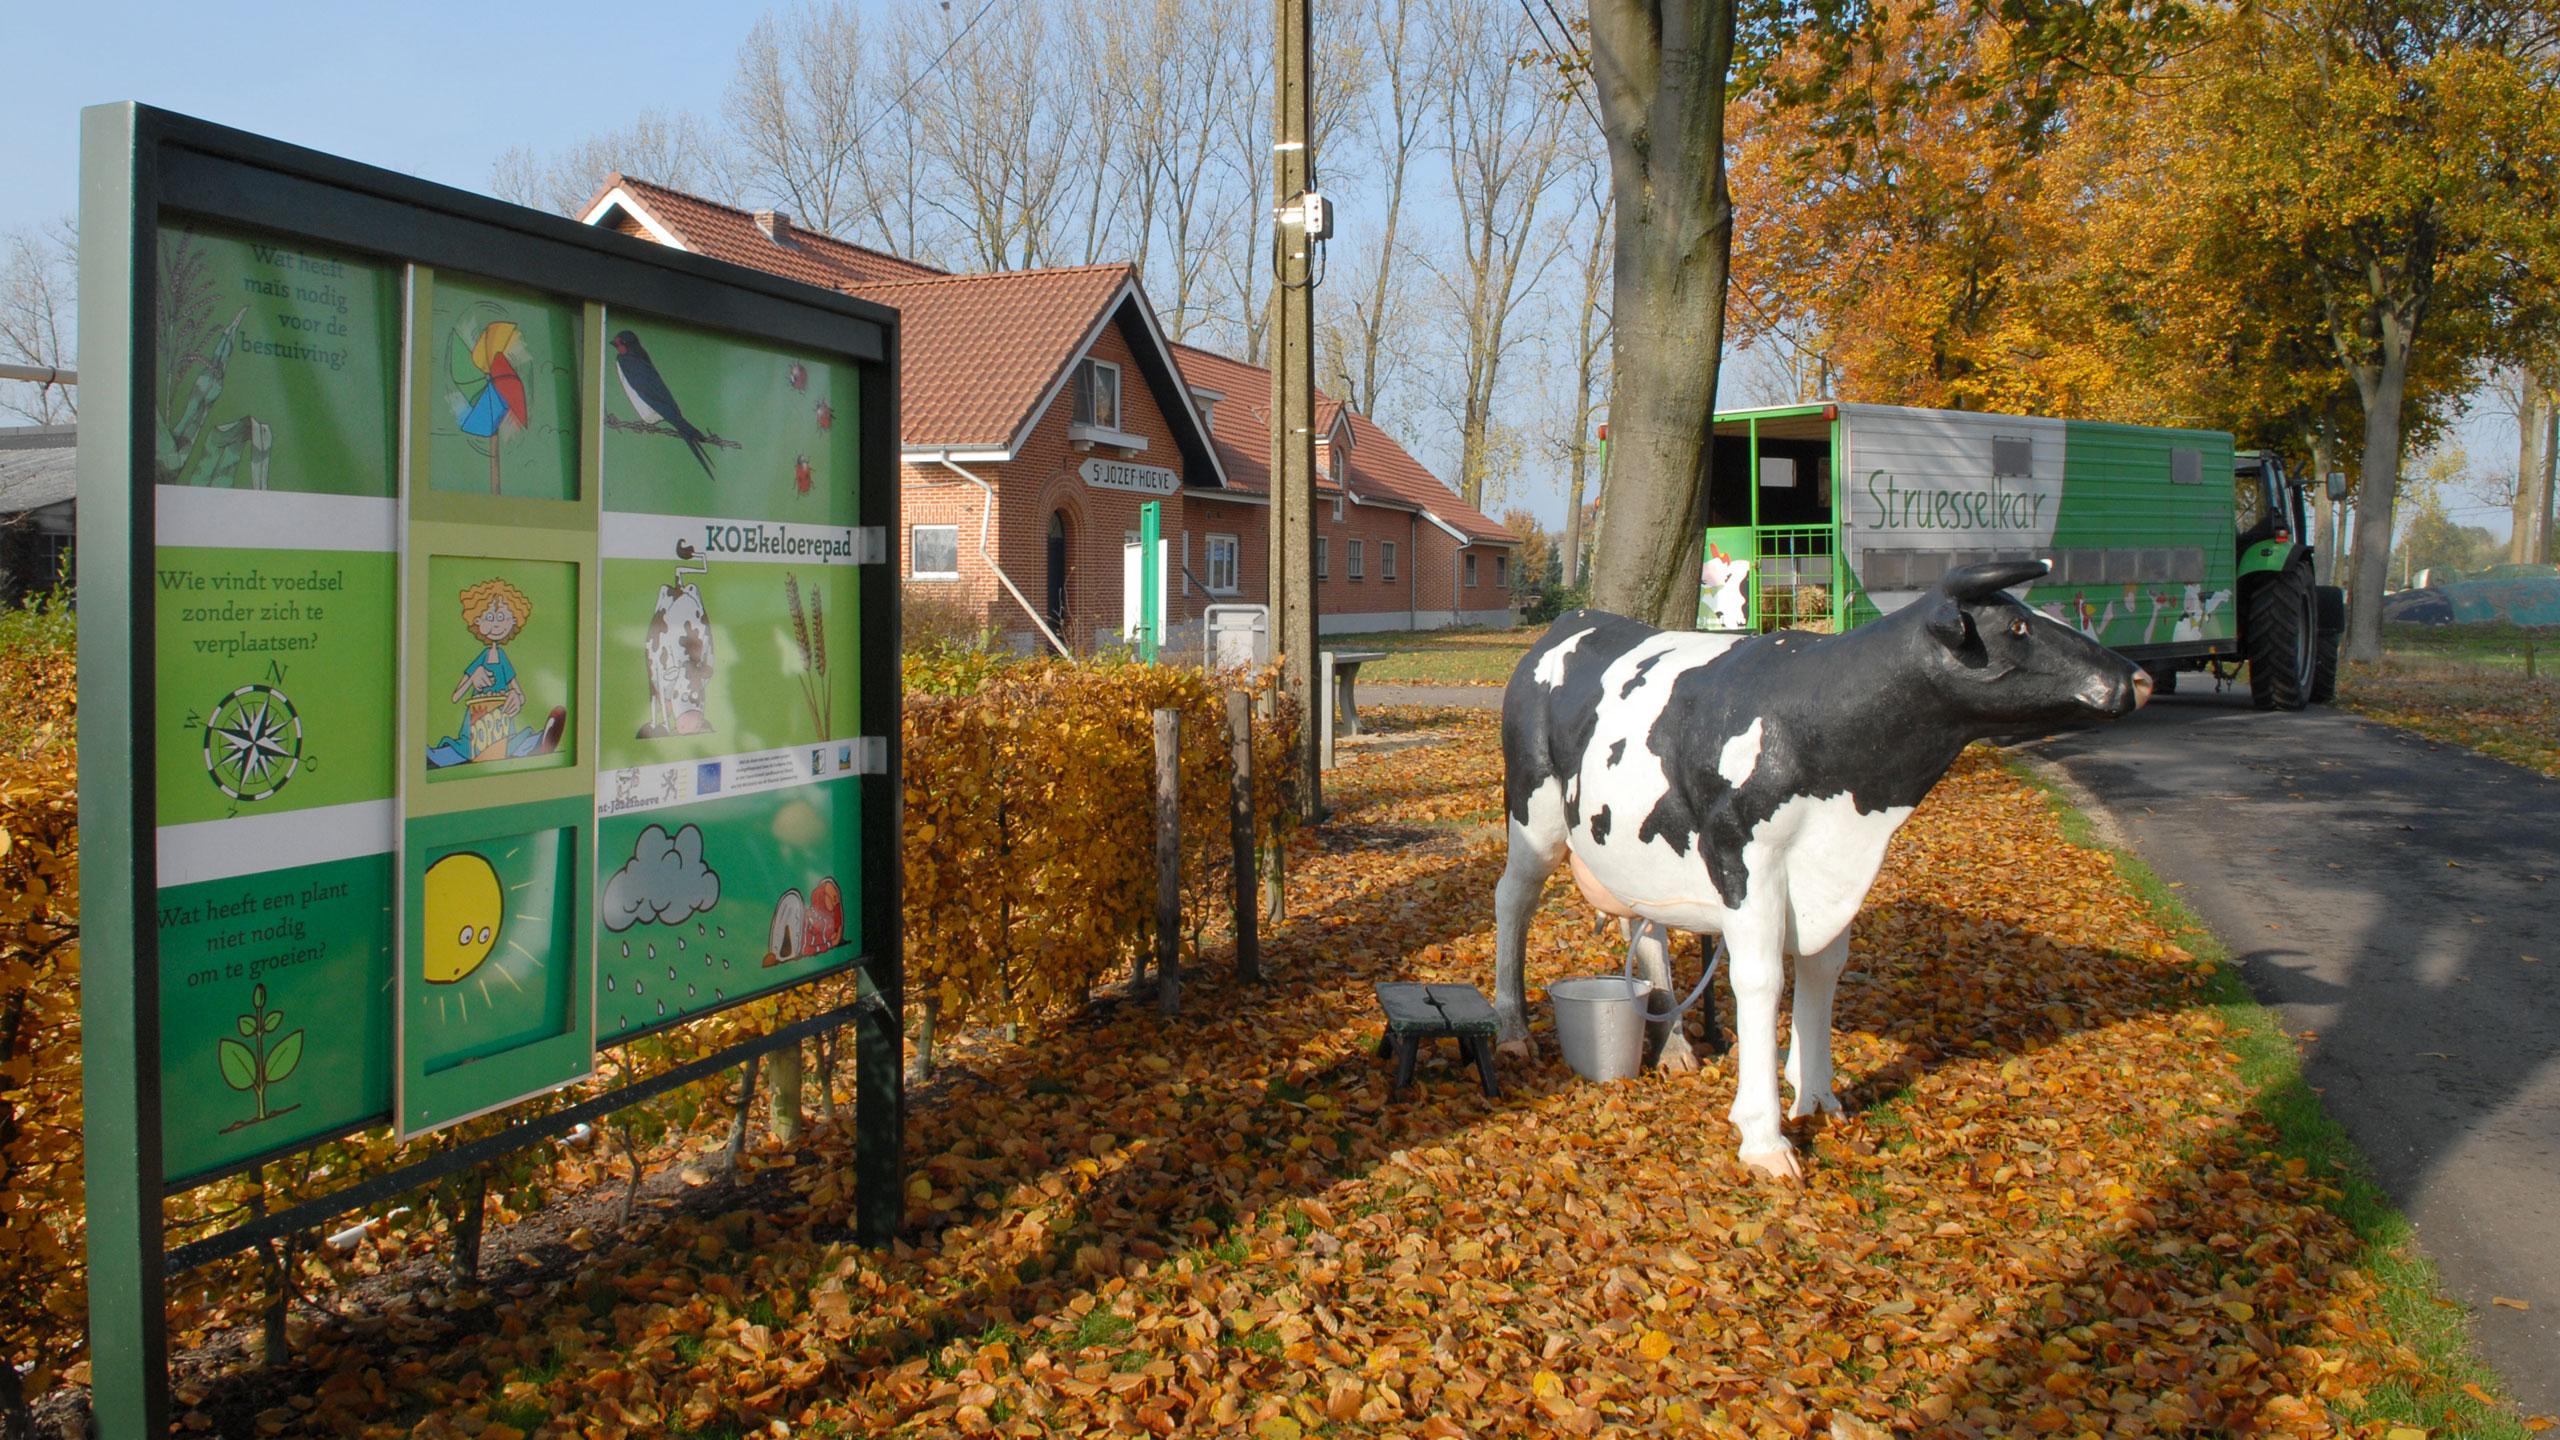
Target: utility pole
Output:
{"points": [[1293, 389]]}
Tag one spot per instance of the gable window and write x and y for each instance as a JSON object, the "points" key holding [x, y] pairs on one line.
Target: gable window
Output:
{"points": [[1098, 394], [1324, 559], [1355, 557], [1386, 559], [1336, 464], [1471, 568], [934, 552], [1222, 565]]}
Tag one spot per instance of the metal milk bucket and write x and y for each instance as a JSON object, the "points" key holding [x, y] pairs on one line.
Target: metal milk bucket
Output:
{"points": [[1600, 1024]]}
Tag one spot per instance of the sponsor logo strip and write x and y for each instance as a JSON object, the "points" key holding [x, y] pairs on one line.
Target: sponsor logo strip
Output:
{"points": [[681, 782]]}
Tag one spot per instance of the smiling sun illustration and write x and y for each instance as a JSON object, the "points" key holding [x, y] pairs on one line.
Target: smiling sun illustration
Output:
{"points": [[464, 911]]}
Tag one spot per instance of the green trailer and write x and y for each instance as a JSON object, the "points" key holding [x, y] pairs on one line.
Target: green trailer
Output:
{"points": [[2167, 545]]}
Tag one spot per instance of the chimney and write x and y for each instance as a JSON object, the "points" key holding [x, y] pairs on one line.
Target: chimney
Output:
{"points": [[776, 226]]}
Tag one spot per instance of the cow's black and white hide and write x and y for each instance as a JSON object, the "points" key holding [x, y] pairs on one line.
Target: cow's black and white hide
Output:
{"points": [[1746, 786]]}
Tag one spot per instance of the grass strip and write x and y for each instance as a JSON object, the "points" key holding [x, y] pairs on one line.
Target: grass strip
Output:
{"points": [[2432, 1324]]}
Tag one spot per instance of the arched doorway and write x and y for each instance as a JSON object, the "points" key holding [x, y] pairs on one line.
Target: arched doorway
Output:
{"points": [[1057, 569]]}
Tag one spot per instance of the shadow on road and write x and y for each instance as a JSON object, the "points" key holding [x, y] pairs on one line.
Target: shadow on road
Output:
{"points": [[2398, 902]]}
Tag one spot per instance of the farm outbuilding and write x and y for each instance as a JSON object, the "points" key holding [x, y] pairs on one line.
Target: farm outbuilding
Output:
{"points": [[39, 508]]}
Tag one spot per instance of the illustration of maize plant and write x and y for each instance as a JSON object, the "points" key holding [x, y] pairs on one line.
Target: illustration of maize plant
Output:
{"points": [[255, 1061], [810, 629], [193, 357]]}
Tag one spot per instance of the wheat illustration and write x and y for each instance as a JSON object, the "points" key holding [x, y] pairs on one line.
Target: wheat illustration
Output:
{"points": [[813, 652]]}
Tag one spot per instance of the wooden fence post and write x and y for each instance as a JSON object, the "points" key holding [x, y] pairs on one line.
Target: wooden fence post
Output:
{"points": [[782, 1112], [1169, 861], [1240, 829]]}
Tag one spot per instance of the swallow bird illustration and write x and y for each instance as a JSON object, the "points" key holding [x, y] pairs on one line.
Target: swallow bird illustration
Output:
{"points": [[650, 398]]}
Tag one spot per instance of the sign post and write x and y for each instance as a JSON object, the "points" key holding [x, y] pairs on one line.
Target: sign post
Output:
{"points": [[1150, 580], [438, 736]]}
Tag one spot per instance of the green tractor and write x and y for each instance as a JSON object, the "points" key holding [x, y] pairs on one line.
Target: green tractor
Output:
{"points": [[2290, 627]]}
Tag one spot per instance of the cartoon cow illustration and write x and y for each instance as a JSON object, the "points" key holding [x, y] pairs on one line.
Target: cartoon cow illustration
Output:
{"points": [[678, 649], [2198, 607], [1728, 607]]}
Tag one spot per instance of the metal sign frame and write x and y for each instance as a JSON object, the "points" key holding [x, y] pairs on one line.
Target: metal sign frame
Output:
{"points": [[139, 165]]}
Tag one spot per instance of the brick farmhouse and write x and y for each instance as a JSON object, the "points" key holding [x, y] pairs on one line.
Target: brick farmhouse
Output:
{"points": [[1041, 408]]}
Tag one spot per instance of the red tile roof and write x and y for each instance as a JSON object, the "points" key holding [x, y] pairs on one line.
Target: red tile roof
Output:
{"points": [[1381, 470], [980, 351], [725, 232]]}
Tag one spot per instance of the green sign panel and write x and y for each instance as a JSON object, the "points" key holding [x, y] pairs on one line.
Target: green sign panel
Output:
{"points": [[482, 618]]}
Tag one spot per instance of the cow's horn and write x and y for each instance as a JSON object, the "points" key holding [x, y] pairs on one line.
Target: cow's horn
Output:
{"points": [[1981, 582]]}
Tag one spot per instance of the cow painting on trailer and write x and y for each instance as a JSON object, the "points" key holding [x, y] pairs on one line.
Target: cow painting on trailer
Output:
{"points": [[1746, 786]]}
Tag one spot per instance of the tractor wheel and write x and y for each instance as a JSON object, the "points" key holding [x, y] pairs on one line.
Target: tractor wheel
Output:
{"points": [[2280, 628], [2331, 610]]}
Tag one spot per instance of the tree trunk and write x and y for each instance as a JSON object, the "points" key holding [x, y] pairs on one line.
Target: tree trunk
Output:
{"points": [[2550, 518], [2324, 537], [2382, 389], [1661, 73], [1573, 514], [2529, 436], [2534, 420]]}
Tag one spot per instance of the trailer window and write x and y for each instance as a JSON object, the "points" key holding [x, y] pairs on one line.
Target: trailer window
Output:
{"points": [[2186, 467], [2012, 455]]}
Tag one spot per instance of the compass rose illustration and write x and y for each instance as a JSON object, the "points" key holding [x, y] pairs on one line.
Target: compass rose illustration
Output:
{"points": [[252, 742]]}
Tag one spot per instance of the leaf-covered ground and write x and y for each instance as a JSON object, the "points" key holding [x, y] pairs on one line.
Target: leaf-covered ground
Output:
{"points": [[2052, 1210], [2495, 711]]}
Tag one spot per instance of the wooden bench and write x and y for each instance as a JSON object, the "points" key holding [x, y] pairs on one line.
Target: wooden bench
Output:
{"points": [[1417, 1012]]}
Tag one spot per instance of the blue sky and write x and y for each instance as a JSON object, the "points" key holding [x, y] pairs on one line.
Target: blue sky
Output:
{"points": [[441, 91], [434, 90]]}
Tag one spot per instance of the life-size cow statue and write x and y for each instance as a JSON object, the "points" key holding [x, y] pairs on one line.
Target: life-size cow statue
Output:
{"points": [[1746, 786]]}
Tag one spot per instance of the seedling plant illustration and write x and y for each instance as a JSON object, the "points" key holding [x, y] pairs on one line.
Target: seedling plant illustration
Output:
{"points": [[259, 1059]]}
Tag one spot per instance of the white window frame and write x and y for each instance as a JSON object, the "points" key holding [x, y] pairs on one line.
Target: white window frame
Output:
{"points": [[914, 571], [1471, 569], [1227, 547], [1386, 559], [1088, 409], [1324, 559], [1356, 561]]}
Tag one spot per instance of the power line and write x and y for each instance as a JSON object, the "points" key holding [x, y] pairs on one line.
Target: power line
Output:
{"points": [[926, 74], [1572, 85]]}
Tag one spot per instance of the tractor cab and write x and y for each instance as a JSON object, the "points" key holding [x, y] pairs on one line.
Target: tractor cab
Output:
{"points": [[2271, 506]]}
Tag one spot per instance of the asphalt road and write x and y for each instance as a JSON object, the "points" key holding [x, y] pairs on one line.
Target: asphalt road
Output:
{"points": [[2380, 891]]}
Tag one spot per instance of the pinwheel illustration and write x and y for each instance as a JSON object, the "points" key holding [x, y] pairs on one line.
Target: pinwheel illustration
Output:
{"points": [[487, 360]]}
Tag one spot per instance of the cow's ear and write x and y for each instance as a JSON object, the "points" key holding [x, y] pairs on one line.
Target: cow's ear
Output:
{"points": [[1946, 620], [1975, 583]]}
